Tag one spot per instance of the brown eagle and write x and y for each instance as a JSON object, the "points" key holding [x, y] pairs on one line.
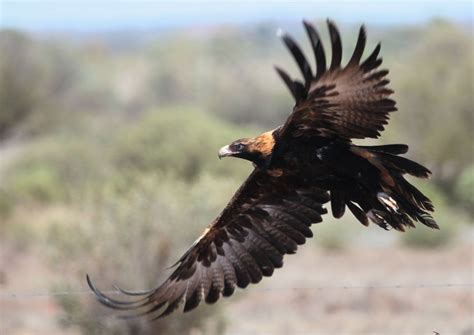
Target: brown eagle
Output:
{"points": [[299, 166]]}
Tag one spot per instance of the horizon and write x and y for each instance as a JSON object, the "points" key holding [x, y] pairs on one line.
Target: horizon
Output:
{"points": [[105, 15]]}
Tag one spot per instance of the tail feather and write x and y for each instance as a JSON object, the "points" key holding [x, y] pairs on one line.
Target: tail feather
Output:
{"points": [[412, 194], [394, 149], [427, 220], [385, 219], [380, 219], [358, 213], [416, 212], [388, 200], [338, 204], [404, 165]]}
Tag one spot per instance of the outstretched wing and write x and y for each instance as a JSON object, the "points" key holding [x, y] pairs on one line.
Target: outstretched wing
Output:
{"points": [[343, 102], [267, 218]]}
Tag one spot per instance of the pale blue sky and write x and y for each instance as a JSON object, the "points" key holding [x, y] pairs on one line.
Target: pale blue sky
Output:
{"points": [[87, 15]]}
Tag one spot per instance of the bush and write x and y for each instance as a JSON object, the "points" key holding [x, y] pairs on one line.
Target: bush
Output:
{"points": [[178, 141], [448, 220], [331, 236], [335, 235], [55, 169], [425, 237], [465, 190], [18, 93], [42, 100], [6, 205], [38, 182]]}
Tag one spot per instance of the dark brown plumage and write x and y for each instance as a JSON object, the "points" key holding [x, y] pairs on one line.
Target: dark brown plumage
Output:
{"points": [[299, 166]]}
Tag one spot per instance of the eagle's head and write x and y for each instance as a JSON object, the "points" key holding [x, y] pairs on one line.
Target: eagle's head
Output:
{"points": [[257, 150]]}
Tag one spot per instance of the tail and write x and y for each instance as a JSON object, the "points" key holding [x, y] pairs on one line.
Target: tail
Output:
{"points": [[387, 199]]}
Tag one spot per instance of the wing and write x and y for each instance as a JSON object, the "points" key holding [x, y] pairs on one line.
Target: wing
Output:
{"points": [[267, 218], [343, 102]]}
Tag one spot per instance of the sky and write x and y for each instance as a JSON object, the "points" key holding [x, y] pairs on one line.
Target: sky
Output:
{"points": [[88, 15]]}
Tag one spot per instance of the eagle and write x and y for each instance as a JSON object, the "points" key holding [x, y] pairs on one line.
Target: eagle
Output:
{"points": [[298, 167]]}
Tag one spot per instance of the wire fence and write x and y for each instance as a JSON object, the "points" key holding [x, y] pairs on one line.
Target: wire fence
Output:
{"points": [[49, 294]]}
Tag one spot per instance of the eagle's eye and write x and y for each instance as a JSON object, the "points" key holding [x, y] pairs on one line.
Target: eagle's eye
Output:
{"points": [[239, 146]]}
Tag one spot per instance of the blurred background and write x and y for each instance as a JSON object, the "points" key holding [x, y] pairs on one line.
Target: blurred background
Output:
{"points": [[111, 115]]}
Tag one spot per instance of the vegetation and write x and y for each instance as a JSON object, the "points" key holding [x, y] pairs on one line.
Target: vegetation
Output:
{"points": [[116, 169], [423, 237]]}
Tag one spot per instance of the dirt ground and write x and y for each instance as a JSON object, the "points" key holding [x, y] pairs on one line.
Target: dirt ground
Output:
{"points": [[308, 296], [316, 292]]}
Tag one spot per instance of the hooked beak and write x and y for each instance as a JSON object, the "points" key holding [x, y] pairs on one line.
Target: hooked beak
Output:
{"points": [[225, 151]]}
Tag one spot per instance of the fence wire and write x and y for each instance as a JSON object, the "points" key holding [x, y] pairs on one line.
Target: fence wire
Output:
{"points": [[49, 294]]}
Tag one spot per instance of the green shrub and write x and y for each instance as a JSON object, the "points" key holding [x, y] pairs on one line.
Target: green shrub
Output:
{"points": [[334, 234], [55, 169], [465, 190], [425, 237], [180, 141], [34, 105], [6, 204], [332, 237], [448, 220], [39, 182]]}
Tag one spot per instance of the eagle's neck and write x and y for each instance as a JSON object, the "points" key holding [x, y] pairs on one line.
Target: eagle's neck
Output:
{"points": [[261, 148]]}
